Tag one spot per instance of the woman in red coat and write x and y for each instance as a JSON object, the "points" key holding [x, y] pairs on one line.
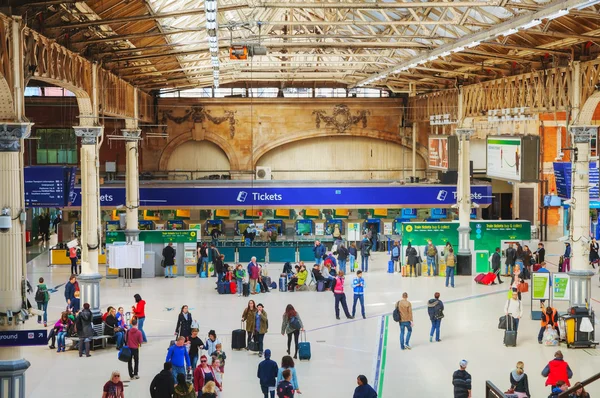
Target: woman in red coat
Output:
{"points": [[203, 374], [556, 370], [139, 312]]}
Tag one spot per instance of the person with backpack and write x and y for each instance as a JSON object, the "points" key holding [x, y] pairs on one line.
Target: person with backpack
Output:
{"points": [[169, 254], [431, 253], [435, 309], [42, 297], [365, 252], [291, 325], [267, 374], [184, 323], [358, 285], [412, 258], [450, 266], [495, 264], [340, 296], [404, 316], [342, 254], [396, 256], [85, 330]]}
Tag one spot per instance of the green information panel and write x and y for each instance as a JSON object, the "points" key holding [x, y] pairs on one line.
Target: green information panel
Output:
{"points": [[418, 233], [560, 287], [487, 235], [541, 284], [155, 236]]}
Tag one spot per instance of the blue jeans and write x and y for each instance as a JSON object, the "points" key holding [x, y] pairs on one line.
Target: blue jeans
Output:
{"points": [[403, 326], [43, 306], [247, 242], [450, 276], [364, 263], [509, 269], [318, 261], [431, 264], [214, 241], [240, 288], [141, 328], [119, 338], [194, 361], [361, 298], [219, 277], [374, 247], [169, 270], [204, 262], [352, 259], [176, 370], [61, 339], [435, 327], [342, 264]]}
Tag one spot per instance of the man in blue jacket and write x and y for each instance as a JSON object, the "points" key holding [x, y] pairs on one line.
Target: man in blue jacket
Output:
{"points": [[179, 358], [319, 251], [358, 285], [267, 373], [70, 288]]}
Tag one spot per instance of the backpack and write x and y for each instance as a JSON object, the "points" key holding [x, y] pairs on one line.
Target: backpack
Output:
{"points": [[396, 314], [295, 323], [450, 262], [431, 251], [40, 295], [395, 251]]}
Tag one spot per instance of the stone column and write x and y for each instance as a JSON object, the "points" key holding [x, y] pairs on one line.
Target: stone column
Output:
{"points": [[89, 280], [581, 272], [12, 265], [463, 201], [132, 183], [414, 149]]}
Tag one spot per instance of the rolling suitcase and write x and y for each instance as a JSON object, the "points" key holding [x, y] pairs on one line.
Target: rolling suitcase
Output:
{"points": [[510, 335], [246, 289], [320, 286], [390, 267], [282, 284], [488, 279], [238, 339], [267, 280], [303, 348], [233, 287], [221, 287], [479, 278]]}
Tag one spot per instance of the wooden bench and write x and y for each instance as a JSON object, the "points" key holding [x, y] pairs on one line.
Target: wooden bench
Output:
{"points": [[98, 336]]}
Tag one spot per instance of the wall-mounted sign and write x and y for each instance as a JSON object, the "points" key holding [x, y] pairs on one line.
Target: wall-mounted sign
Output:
{"points": [[19, 338], [563, 172], [438, 153], [513, 158], [439, 213], [354, 232], [48, 186], [409, 214]]}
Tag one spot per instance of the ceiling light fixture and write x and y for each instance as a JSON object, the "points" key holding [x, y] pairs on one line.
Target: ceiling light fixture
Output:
{"points": [[531, 24], [588, 4], [558, 14]]}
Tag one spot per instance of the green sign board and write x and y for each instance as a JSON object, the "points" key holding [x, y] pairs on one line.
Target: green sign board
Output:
{"points": [[418, 233], [560, 287], [155, 236], [487, 235], [540, 282]]}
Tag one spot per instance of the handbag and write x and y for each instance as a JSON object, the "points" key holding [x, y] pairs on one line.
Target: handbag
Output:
{"points": [[124, 354], [439, 314], [523, 287], [502, 322]]}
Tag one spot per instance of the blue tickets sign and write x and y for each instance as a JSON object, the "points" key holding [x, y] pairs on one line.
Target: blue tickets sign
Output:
{"points": [[364, 196], [18, 338]]}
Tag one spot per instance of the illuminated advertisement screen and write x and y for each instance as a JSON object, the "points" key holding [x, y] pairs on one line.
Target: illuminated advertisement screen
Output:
{"points": [[504, 158], [438, 153]]}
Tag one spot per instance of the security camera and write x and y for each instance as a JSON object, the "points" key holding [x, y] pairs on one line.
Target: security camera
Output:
{"points": [[5, 221], [585, 239], [24, 315], [9, 317], [564, 238], [475, 205], [569, 202]]}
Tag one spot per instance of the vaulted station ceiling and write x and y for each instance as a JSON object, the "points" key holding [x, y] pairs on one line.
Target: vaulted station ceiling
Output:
{"points": [[158, 44]]}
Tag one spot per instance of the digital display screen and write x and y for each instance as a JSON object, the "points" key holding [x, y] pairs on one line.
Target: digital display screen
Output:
{"points": [[48, 186]]}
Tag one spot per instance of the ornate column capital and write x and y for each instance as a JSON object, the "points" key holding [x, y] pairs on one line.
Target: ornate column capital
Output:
{"points": [[11, 135], [466, 133], [89, 134], [132, 134], [583, 134]]}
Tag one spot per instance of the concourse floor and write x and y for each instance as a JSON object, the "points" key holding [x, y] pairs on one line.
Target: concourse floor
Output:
{"points": [[341, 350]]}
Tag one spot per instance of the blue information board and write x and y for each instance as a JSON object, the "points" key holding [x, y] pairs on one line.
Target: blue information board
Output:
{"points": [[19, 338], [438, 214], [47, 186], [409, 213], [563, 174]]}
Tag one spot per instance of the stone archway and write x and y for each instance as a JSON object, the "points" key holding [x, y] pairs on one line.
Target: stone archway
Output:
{"points": [[186, 137], [587, 111]]}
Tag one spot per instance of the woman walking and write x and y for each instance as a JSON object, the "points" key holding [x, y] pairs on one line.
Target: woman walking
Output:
{"points": [[249, 316], [519, 382], [184, 323], [204, 374], [291, 325], [340, 296], [260, 327], [139, 312], [287, 363]]}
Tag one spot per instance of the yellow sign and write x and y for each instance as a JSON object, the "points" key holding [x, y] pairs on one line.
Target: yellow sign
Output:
{"points": [[409, 228], [182, 213], [223, 213]]}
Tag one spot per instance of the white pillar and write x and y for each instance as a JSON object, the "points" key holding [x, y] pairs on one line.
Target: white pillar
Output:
{"points": [[91, 234], [12, 243], [581, 272], [132, 183], [463, 201], [414, 149]]}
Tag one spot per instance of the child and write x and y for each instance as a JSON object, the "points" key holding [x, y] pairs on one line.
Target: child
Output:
{"points": [[196, 345], [76, 303], [216, 368], [240, 275], [220, 355], [285, 388], [211, 342]]}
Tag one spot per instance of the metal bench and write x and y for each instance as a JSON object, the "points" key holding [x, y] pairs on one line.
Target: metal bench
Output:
{"points": [[98, 336]]}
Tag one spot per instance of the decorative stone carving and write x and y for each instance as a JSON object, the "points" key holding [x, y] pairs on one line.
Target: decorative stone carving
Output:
{"points": [[467, 133], [132, 134], [11, 135], [198, 114], [89, 134], [341, 120]]}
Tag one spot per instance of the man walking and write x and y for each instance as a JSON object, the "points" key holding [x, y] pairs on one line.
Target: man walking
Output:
{"points": [[162, 384], [431, 253], [169, 260], [358, 284], [179, 358], [70, 289], [134, 342], [319, 251], [461, 380], [365, 253], [496, 264], [406, 320], [511, 257], [267, 373]]}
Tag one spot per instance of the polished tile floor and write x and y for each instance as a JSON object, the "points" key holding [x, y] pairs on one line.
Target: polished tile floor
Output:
{"points": [[341, 349]]}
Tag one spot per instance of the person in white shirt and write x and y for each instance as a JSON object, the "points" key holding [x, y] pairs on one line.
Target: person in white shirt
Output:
{"points": [[514, 308]]}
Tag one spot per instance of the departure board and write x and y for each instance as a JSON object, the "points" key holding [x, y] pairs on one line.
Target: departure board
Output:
{"points": [[47, 186]]}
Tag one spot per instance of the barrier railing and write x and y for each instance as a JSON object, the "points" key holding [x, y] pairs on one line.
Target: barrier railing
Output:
{"points": [[491, 391], [578, 385]]}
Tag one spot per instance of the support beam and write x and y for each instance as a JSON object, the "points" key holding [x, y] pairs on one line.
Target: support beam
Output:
{"points": [[463, 201]]}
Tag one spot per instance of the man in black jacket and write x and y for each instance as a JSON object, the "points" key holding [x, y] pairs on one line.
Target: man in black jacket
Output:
{"points": [[540, 254], [511, 257], [215, 255], [162, 384], [461, 380], [169, 260], [496, 264]]}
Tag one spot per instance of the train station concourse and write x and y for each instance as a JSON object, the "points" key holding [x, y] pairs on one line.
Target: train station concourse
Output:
{"points": [[381, 198]]}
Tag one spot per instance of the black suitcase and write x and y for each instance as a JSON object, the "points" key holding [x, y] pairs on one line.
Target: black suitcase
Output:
{"points": [[238, 339], [246, 289], [510, 334]]}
